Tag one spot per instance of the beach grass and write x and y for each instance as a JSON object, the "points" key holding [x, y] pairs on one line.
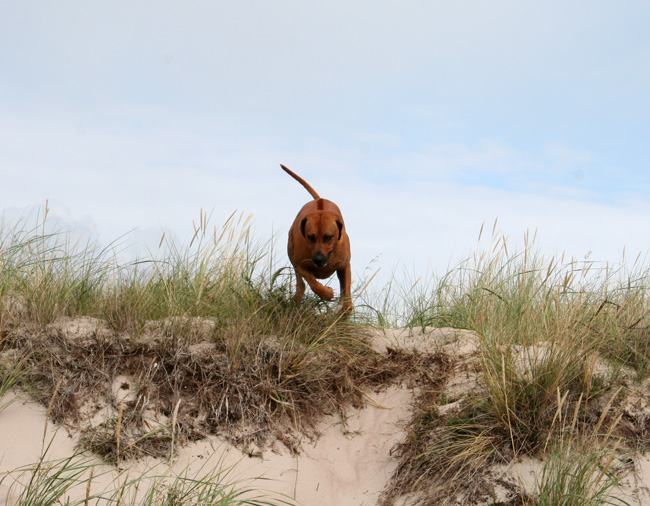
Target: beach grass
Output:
{"points": [[81, 480], [553, 335], [203, 337], [194, 339]]}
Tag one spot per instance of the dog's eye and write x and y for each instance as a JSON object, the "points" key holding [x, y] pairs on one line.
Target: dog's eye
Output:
{"points": [[328, 238], [311, 238]]}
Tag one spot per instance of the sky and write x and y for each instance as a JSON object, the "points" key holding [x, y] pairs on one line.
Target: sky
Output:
{"points": [[422, 120]]}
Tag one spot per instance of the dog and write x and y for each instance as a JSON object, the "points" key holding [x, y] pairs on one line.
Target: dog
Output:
{"points": [[319, 246]]}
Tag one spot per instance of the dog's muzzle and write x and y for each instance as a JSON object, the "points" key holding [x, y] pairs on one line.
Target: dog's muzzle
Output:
{"points": [[321, 260]]}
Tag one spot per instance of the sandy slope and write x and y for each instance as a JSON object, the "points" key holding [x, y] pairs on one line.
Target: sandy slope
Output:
{"points": [[350, 464]]}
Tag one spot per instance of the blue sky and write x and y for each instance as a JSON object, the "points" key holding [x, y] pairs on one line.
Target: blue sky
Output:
{"points": [[421, 119]]}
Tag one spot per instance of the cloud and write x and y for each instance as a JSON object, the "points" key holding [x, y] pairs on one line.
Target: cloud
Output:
{"points": [[422, 120], [280, 54]]}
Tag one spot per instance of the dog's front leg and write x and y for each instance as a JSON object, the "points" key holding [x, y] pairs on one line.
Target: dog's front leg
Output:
{"points": [[300, 287], [345, 280], [324, 292]]}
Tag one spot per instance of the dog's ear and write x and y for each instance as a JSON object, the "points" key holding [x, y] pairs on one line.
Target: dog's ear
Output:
{"points": [[302, 226], [340, 224]]}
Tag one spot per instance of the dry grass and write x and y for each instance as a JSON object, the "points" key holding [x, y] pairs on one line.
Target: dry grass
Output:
{"points": [[14, 368], [231, 381], [197, 340], [202, 338], [554, 336], [56, 482]]}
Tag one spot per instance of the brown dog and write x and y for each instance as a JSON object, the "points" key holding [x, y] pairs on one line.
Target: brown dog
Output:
{"points": [[319, 246]]}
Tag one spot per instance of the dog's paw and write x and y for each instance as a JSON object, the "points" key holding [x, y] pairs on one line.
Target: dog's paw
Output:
{"points": [[326, 293], [298, 297], [344, 308]]}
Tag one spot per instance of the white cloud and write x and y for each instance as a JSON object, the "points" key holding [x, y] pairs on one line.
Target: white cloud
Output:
{"points": [[421, 119], [274, 55]]}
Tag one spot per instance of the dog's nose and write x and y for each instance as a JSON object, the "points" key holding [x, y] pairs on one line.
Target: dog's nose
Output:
{"points": [[319, 260]]}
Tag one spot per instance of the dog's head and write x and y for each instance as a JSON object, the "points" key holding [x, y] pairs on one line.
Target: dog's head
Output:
{"points": [[322, 231]]}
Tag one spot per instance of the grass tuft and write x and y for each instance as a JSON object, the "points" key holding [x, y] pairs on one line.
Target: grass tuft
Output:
{"points": [[198, 339], [202, 338], [14, 368], [553, 336]]}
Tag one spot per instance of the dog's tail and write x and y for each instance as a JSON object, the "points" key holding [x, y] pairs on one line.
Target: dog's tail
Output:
{"points": [[302, 182]]}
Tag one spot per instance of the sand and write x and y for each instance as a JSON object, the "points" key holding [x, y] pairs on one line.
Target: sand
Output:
{"points": [[350, 464]]}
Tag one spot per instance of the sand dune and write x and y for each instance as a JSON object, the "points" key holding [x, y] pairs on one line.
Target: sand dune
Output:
{"points": [[349, 464]]}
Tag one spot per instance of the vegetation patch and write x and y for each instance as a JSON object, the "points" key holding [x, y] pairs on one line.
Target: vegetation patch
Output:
{"points": [[558, 357], [135, 395], [550, 362]]}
